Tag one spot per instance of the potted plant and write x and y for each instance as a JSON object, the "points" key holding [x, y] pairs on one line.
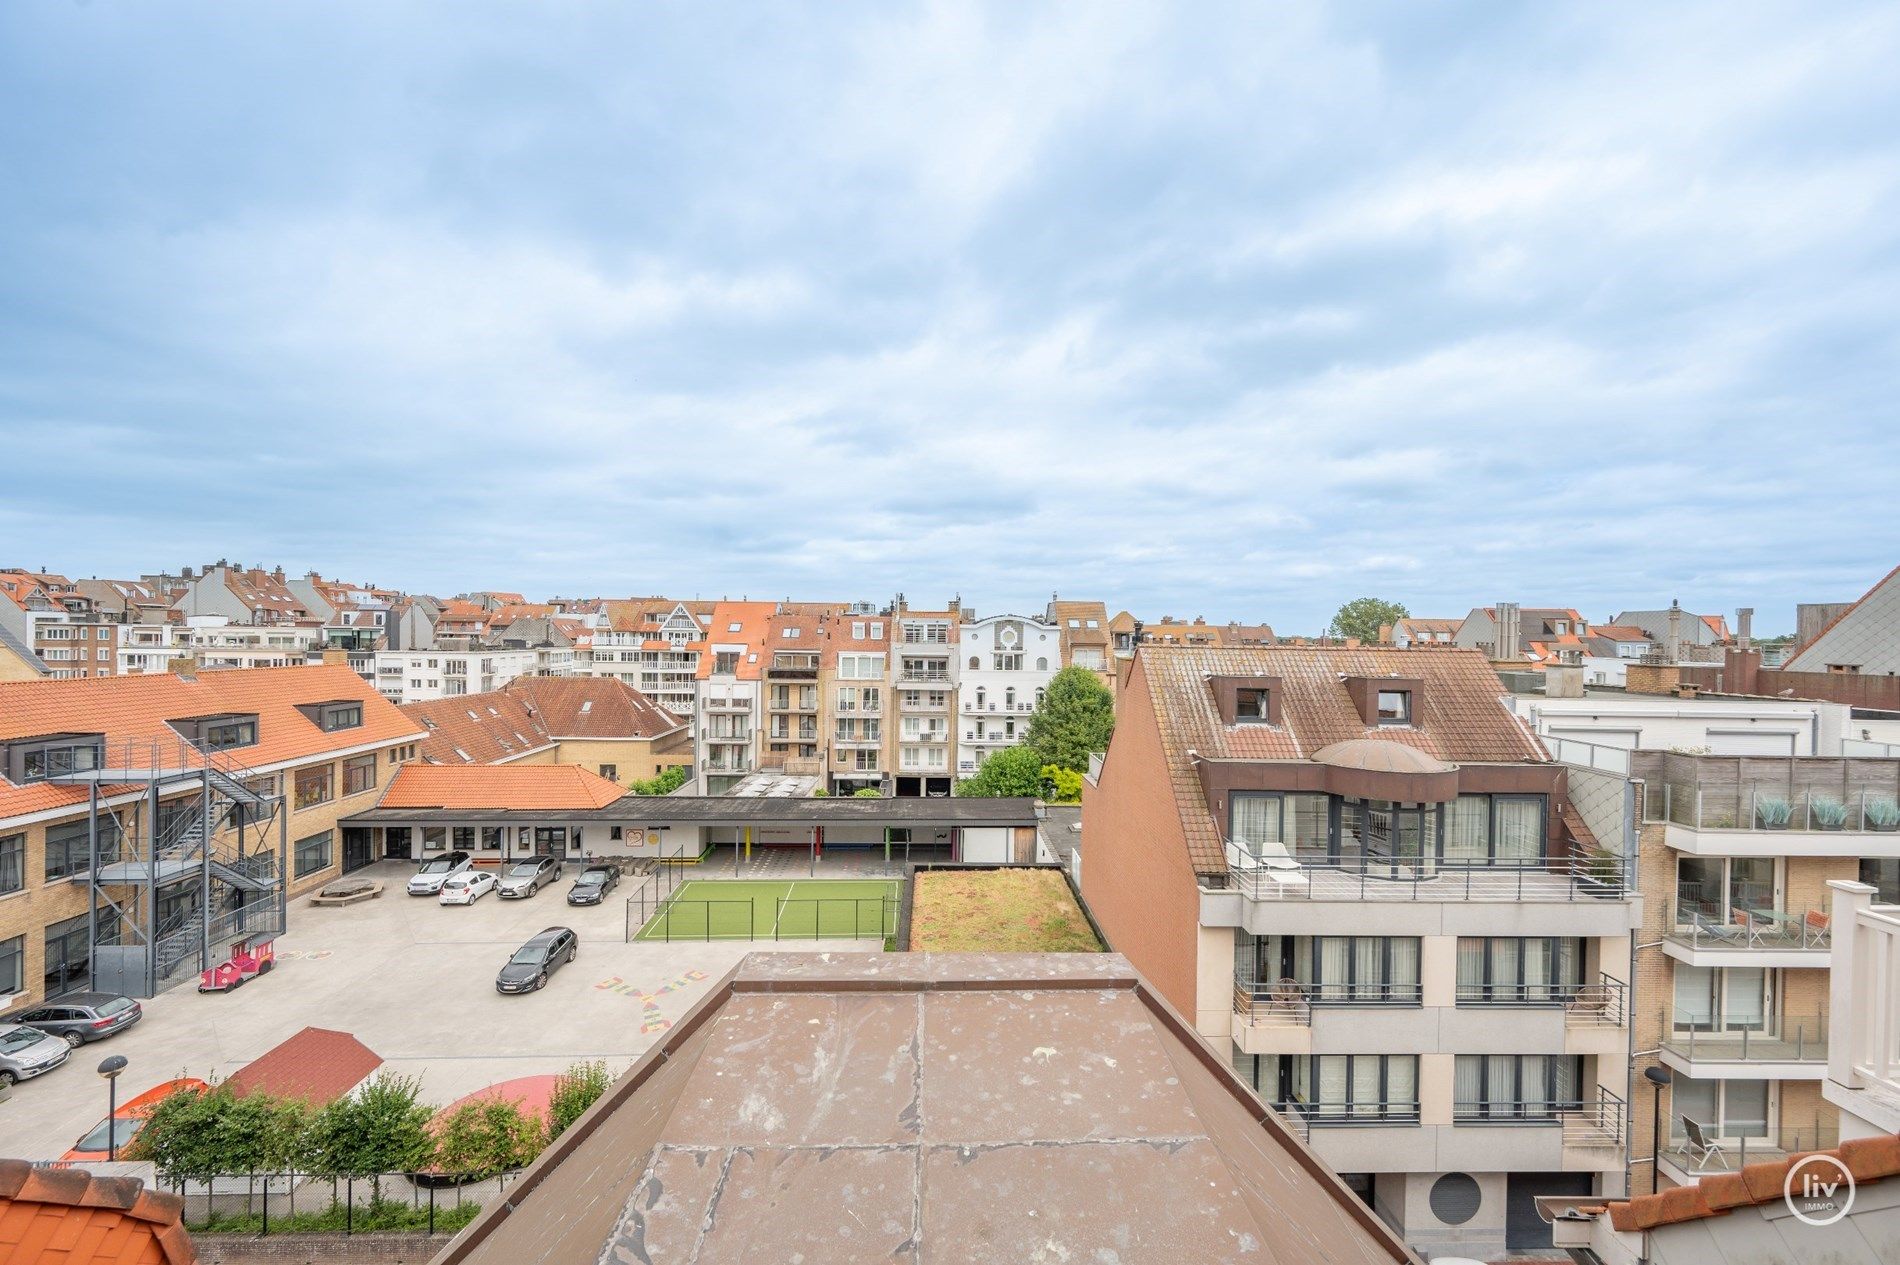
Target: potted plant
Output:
{"points": [[1826, 812], [1773, 812], [1601, 872], [1883, 814]]}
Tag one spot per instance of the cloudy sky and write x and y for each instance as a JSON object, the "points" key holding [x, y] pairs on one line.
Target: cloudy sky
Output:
{"points": [[1240, 311]]}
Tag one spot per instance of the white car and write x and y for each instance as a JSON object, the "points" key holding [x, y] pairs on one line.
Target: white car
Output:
{"points": [[467, 887], [437, 871]]}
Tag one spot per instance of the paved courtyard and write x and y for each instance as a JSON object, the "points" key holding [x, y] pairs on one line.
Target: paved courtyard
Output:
{"points": [[414, 981]]}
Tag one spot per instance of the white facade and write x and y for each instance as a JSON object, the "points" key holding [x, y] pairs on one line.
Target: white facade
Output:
{"points": [[924, 676], [414, 676], [215, 642], [1004, 664], [1715, 726], [726, 731]]}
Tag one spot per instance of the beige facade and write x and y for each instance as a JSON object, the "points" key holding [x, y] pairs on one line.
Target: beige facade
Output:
{"points": [[623, 760]]}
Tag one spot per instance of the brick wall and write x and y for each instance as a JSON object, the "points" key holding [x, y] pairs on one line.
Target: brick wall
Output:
{"points": [[1135, 873], [318, 1249]]}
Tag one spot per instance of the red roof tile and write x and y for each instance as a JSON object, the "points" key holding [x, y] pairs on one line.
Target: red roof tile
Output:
{"points": [[318, 1065], [66, 1216], [519, 787], [1868, 1159]]}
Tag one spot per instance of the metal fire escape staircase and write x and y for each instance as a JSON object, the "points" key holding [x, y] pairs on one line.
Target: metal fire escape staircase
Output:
{"points": [[200, 860]]}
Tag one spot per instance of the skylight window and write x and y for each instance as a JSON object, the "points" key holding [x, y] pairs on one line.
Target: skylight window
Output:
{"points": [[587, 706]]}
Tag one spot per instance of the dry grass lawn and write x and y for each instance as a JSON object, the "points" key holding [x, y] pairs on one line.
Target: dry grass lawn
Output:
{"points": [[997, 911]]}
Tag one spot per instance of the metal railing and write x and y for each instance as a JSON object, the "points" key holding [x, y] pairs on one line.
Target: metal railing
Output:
{"points": [[1745, 1142], [1778, 1039], [1702, 925], [1602, 1002], [1777, 808], [1267, 1000], [1514, 1111], [1599, 1121], [1327, 1113], [1589, 755], [1377, 879]]}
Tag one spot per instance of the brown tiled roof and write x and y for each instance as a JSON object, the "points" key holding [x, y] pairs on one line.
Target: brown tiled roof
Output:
{"points": [[1868, 1159], [66, 1216], [751, 617], [1010, 1107], [135, 709], [837, 635], [485, 728], [318, 1065], [594, 707], [521, 787], [1460, 718]]}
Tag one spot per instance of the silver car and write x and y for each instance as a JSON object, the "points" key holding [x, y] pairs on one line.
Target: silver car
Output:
{"points": [[529, 875], [28, 1052]]}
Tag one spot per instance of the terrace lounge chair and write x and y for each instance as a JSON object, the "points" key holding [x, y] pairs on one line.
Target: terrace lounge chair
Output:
{"points": [[1726, 935], [1700, 1147], [1815, 928]]}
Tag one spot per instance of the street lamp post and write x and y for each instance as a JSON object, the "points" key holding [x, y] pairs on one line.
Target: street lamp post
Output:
{"points": [[110, 1069], [1658, 1077]]}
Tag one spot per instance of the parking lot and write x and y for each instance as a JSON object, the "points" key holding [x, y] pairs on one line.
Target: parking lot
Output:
{"points": [[414, 981]]}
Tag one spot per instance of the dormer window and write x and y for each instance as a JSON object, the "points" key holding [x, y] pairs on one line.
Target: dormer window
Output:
{"points": [[1395, 707], [1247, 700], [53, 756], [1253, 706], [333, 714], [221, 735]]}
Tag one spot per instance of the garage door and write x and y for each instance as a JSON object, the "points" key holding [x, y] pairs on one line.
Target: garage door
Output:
{"points": [[1524, 1230], [1751, 742]]}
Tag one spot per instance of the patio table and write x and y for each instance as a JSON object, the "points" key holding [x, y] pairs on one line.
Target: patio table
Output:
{"points": [[1781, 922]]}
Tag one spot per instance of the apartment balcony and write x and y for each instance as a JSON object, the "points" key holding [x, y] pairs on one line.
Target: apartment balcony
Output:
{"points": [[915, 708], [920, 677], [1746, 806], [727, 704], [1769, 938], [1743, 1143], [1288, 1017], [1791, 1048], [936, 738], [970, 707]]}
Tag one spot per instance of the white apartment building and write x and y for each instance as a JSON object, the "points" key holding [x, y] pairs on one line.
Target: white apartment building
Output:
{"points": [[1863, 1051], [1005, 663], [215, 642], [924, 648], [662, 664], [729, 706], [415, 676]]}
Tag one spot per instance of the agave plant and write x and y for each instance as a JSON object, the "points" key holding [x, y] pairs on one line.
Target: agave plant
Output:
{"points": [[1774, 812], [1827, 812], [1883, 814]]}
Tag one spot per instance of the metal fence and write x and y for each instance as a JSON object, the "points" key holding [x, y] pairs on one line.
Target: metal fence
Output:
{"points": [[666, 917]]}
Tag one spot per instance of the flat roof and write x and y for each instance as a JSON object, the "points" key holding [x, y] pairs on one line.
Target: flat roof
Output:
{"points": [[726, 810], [856, 1108]]}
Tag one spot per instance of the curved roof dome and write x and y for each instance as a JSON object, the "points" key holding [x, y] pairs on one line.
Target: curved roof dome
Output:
{"points": [[1379, 755]]}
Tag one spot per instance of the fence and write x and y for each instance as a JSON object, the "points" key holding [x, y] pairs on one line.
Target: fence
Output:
{"points": [[286, 1203], [666, 917]]}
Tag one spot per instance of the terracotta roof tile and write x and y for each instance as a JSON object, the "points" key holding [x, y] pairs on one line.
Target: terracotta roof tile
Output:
{"points": [[520, 787], [135, 709], [319, 1065], [1868, 1159], [66, 1216]]}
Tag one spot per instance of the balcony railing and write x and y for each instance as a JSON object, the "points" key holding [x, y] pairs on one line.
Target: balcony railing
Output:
{"points": [[1513, 1111], [1786, 1039], [936, 678], [1745, 1142], [1326, 1113], [1290, 1001], [1600, 1003], [1371, 878], [1699, 926], [1776, 808]]}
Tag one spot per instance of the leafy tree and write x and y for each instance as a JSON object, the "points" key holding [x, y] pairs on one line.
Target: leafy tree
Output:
{"points": [[665, 782], [1060, 785], [481, 1139], [867, 792], [1364, 616], [575, 1090], [381, 1128], [181, 1135], [1074, 719], [1011, 771]]}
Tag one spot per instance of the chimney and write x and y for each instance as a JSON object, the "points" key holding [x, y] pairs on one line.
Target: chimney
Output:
{"points": [[1563, 680], [1509, 645], [1672, 644], [185, 668], [1744, 625]]}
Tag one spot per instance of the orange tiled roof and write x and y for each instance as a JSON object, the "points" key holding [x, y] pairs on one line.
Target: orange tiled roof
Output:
{"points": [[66, 1216], [1868, 1159], [1461, 717], [517, 787], [135, 709], [751, 619], [318, 1065], [594, 707]]}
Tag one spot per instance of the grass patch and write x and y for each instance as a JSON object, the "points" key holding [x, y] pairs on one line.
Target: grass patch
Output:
{"points": [[384, 1215], [997, 911], [753, 909]]}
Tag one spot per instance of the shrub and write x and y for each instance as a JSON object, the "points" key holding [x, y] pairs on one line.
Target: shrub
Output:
{"points": [[575, 1090]]}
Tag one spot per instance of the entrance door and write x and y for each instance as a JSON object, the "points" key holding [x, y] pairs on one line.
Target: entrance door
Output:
{"points": [[1524, 1230], [358, 848], [396, 845], [551, 841]]}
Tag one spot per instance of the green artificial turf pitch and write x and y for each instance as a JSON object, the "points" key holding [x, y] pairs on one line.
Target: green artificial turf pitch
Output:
{"points": [[801, 909]]}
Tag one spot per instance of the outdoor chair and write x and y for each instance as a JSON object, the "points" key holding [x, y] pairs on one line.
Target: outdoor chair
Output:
{"points": [[1699, 1147], [1287, 998], [1715, 931], [1590, 1000], [1815, 927]]}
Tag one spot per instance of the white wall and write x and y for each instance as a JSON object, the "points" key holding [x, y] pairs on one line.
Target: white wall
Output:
{"points": [[1039, 644], [1723, 726]]}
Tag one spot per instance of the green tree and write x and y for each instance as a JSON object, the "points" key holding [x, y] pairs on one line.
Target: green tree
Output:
{"points": [[1009, 772], [481, 1139], [381, 1128], [1364, 616], [575, 1090], [181, 1135], [665, 782], [1074, 719], [867, 792], [1060, 785]]}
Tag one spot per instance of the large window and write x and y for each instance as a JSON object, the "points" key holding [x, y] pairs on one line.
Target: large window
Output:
{"points": [[1518, 970], [1495, 830], [1276, 826], [1884, 876], [12, 966], [313, 854], [1355, 1087], [1725, 1108], [69, 847], [1334, 969], [316, 786], [1719, 889], [1395, 707], [346, 716], [230, 733], [58, 759], [12, 865], [68, 956], [1723, 999], [359, 774], [1495, 1087]]}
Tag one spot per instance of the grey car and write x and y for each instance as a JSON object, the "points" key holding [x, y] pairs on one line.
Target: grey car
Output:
{"points": [[527, 876], [84, 1017], [28, 1052], [547, 952]]}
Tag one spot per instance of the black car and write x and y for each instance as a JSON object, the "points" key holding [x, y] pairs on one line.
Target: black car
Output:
{"points": [[83, 1017], [593, 885], [547, 952]]}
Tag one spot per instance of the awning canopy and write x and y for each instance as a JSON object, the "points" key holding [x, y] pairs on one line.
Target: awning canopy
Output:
{"points": [[719, 810]]}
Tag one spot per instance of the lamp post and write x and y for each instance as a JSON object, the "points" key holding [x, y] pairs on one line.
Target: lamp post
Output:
{"points": [[110, 1069], [1658, 1077]]}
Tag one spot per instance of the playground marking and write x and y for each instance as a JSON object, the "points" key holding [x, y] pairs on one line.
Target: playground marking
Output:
{"points": [[651, 1018]]}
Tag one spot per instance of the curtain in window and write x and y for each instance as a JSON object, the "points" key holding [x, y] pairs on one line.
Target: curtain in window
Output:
{"points": [[1257, 823], [1745, 998], [1500, 1087], [1695, 997], [1567, 1080], [1303, 960], [1519, 830], [1506, 967], [1401, 1083], [1331, 1089], [1568, 972], [1303, 1080], [1533, 1084], [1368, 967], [1537, 970], [1334, 966], [1366, 1096], [1468, 828], [1404, 975], [1470, 967], [1309, 825], [1468, 1084]]}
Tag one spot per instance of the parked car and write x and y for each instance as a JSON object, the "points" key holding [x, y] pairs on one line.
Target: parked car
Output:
{"points": [[467, 887], [547, 952], [529, 875], [28, 1052], [593, 885], [84, 1017], [96, 1146], [435, 872]]}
